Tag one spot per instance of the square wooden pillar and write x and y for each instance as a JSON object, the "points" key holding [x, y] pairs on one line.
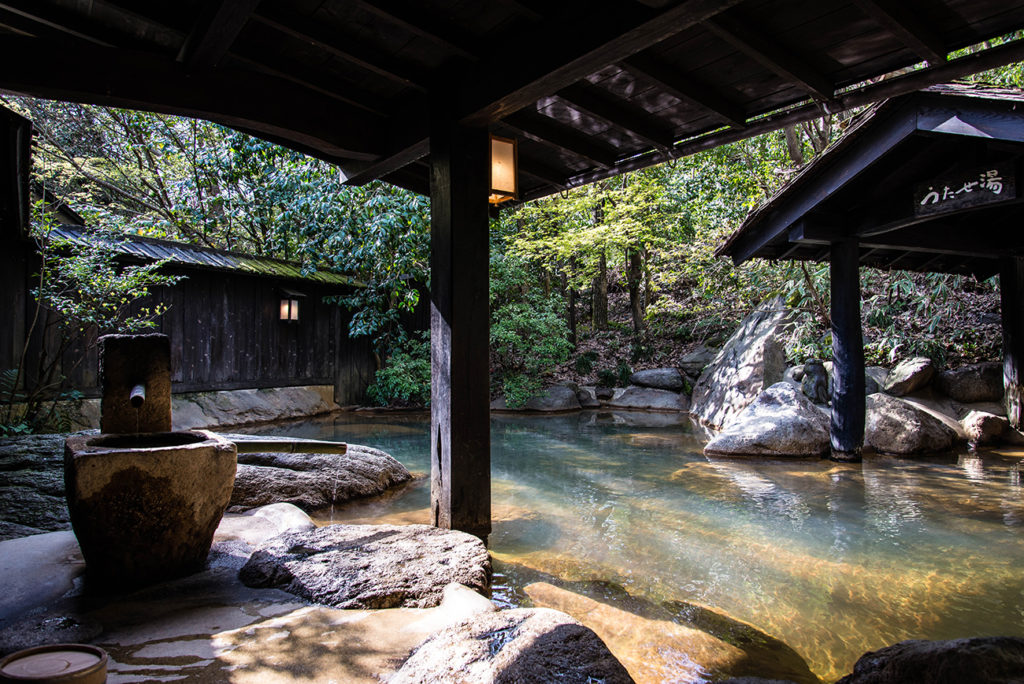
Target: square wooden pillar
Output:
{"points": [[460, 445], [1011, 295], [847, 353]]}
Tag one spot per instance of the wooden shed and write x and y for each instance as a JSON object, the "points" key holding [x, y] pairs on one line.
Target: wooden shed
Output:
{"points": [[926, 182]]}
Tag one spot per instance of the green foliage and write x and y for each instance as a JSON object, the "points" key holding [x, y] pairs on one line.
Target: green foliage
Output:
{"points": [[405, 380], [528, 335], [607, 378], [622, 373], [584, 363], [81, 292]]}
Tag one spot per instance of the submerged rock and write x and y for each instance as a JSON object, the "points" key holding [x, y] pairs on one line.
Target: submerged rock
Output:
{"points": [[980, 660], [512, 646], [750, 361], [659, 378], [969, 384], [313, 481], [370, 566], [634, 397], [550, 399], [895, 426], [909, 376], [781, 421]]}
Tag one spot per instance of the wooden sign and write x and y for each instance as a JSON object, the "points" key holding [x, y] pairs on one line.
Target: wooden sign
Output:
{"points": [[987, 185]]}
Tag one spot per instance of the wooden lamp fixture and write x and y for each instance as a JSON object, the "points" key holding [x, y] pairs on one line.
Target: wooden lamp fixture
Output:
{"points": [[504, 177]]}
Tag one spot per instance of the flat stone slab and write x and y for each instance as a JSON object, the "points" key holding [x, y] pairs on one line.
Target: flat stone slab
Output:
{"points": [[511, 646], [370, 566], [314, 481]]}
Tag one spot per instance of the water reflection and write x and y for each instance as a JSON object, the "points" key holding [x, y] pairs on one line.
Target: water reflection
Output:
{"points": [[833, 559]]}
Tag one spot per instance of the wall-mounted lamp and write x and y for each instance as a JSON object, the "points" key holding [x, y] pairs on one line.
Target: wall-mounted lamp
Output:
{"points": [[504, 176], [290, 304]]}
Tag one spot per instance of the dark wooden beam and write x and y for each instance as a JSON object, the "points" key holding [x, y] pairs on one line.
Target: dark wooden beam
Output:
{"points": [[984, 60], [908, 27], [419, 21], [137, 80], [771, 56], [540, 171], [546, 130], [460, 476], [601, 105], [361, 173], [49, 21], [218, 24], [1011, 293], [848, 387], [574, 47], [684, 87], [347, 48]]}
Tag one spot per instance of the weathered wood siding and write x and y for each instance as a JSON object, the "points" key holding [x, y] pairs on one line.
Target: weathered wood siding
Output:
{"points": [[226, 333]]}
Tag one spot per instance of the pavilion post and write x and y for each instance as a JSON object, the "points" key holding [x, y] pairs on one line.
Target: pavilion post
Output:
{"points": [[847, 352], [1011, 290], [460, 441]]}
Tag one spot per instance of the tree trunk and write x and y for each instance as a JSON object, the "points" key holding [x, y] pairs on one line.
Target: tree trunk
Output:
{"points": [[794, 145], [634, 273], [600, 294], [570, 298]]}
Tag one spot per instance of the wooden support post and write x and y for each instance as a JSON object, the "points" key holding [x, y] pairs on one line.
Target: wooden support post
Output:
{"points": [[847, 353], [1011, 290], [460, 445]]}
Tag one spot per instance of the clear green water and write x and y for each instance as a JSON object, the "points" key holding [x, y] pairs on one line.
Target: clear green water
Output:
{"points": [[833, 559]]}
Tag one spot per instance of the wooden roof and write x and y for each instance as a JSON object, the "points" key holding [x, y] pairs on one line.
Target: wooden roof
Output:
{"points": [[874, 186], [590, 88]]}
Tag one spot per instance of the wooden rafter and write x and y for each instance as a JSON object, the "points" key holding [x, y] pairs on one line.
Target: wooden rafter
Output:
{"points": [[684, 87], [772, 56], [603, 106], [53, 21], [233, 97], [346, 48], [547, 131], [911, 29], [218, 25], [411, 17]]}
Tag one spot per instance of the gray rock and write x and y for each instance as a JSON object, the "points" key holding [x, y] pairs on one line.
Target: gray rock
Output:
{"points": [[659, 378], [816, 382], [649, 398], [549, 400], [32, 484], [512, 647], [781, 421], [979, 660], [909, 376], [695, 362], [604, 393], [257, 525], [218, 409], [969, 384], [370, 566], [874, 379], [587, 396], [895, 426], [314, 481], [984, 428], [9, 530], [45, 629], [794, 375], [750, 361]]}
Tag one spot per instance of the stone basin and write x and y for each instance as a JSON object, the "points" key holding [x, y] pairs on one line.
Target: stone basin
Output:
{"points": [[145, 506]]}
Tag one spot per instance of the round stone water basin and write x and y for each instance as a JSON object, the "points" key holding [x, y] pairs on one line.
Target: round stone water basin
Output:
{"points": [[145, 506]]}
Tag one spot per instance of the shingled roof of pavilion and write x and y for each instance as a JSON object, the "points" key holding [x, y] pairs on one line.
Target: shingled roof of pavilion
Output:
{"points": [[589, 88]]}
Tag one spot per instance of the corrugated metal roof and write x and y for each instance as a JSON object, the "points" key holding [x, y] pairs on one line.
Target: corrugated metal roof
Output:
{"points": [[151, 249]]}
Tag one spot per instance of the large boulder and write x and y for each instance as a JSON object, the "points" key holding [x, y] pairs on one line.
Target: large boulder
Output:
{"points": [[895, 426], [659, 378], [513, 646], [314, 481], [587, 396], [781, 421], [874, 379], [32, 485], [694, 363], [979, 660], [634, 397], [548, 400], [909, 376], [370, 566], [750, 361], [969, 384], [984, 428]]}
